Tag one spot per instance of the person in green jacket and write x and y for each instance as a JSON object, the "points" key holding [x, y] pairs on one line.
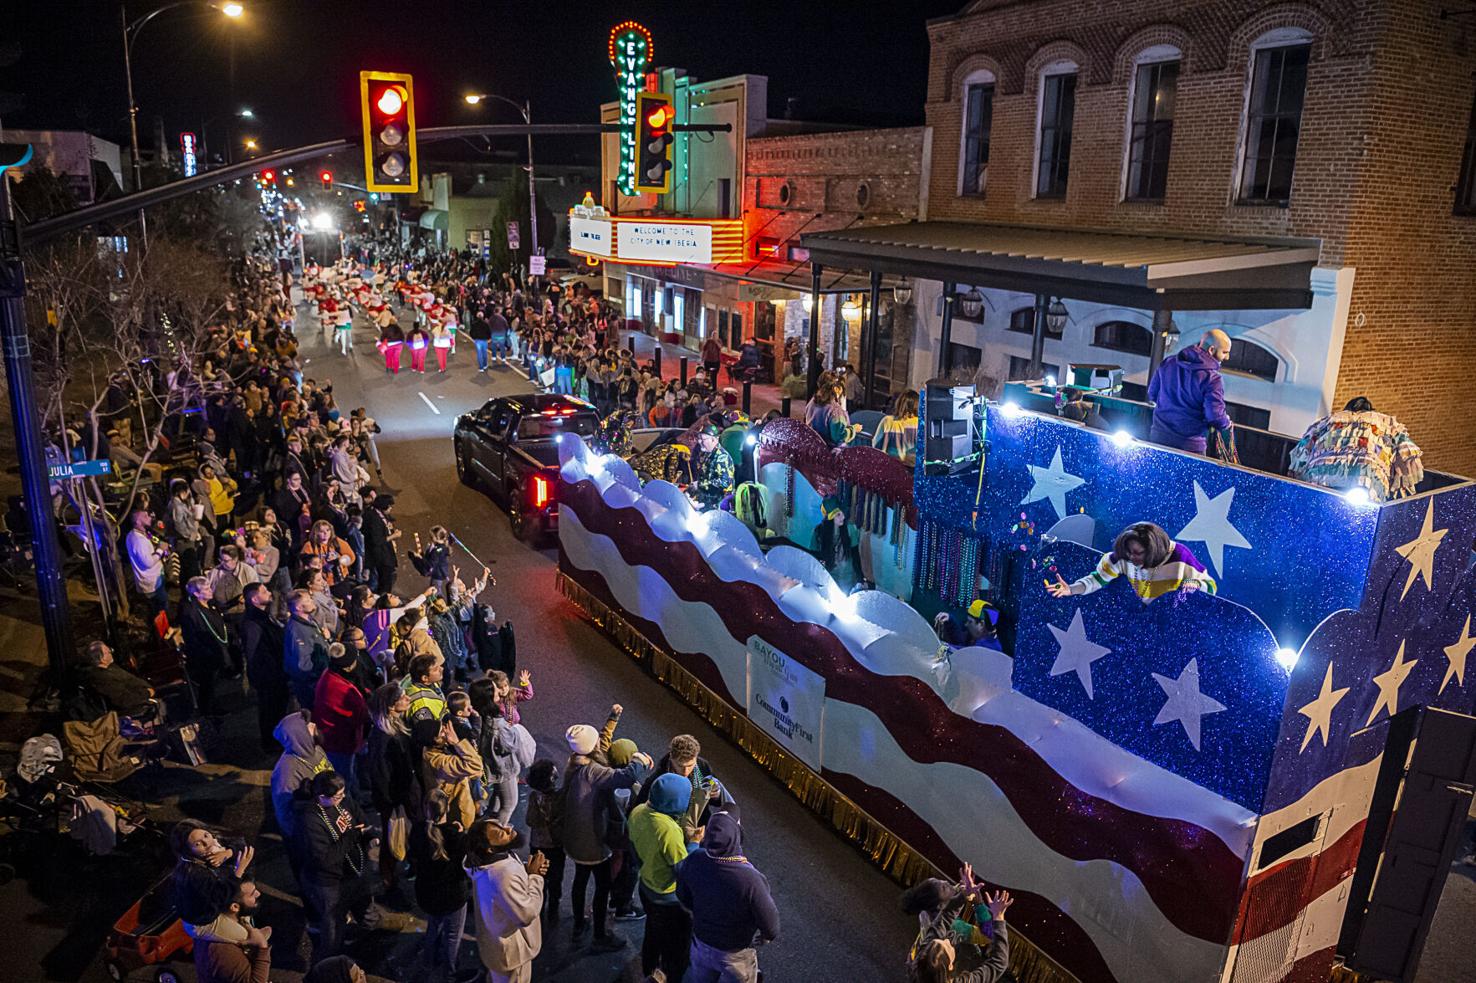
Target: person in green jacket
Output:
{"points": [[656, 834]]}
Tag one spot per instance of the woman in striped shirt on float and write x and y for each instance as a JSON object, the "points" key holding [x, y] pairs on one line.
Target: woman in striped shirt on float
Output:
{"points": [[1150, 561]]}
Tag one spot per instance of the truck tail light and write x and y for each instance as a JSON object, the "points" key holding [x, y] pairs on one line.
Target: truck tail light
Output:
{"points": [[540, 491]]}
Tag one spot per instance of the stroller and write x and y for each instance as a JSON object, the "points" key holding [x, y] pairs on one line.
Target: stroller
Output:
{"points": [[43, 811]]}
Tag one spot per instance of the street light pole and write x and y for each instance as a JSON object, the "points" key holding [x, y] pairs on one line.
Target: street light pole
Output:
{"points": [[130, 32], [143, 229], [526, 109]]}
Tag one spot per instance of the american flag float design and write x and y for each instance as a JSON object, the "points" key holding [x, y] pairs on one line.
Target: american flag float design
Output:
{"points": [[1121, 772]]}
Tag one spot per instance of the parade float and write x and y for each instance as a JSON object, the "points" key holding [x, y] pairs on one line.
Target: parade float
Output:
{"points": [[1177, 790]]}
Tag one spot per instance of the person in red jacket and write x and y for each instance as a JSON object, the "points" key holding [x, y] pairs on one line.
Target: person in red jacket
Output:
{"points": [[341, 712]]}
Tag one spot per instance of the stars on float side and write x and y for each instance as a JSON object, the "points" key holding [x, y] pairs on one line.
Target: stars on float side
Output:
{"points": [[1052, 484], [1185, 702], [1388, 683], [1456, 655], [1211, 526], [1077, 652], [1420, 552], [1319, 711]]}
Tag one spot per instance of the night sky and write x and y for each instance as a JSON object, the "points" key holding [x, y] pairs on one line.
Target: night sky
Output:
{"points": [[297, 61]]}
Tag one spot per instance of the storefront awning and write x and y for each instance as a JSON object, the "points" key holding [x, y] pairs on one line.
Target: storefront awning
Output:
{"points": [[1143, 271], [789, 279], [435, 218]]}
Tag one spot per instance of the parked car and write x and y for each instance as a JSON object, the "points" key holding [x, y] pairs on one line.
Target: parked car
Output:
{"points": [[510, 448]]}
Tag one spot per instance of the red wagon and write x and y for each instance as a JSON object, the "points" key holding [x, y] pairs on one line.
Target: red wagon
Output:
{"points": [[149, 933]]}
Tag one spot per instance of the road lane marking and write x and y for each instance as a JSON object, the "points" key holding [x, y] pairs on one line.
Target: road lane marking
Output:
{"points": [[426, 399]]}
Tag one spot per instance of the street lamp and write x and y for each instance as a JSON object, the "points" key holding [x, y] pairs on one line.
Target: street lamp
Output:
{"points": [[526, 109], [130, 34], [250, 144], [243, 113]]}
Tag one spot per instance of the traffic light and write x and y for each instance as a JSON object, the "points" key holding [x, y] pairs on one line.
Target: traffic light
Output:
{"points": [[327, 178], [388, 103], [269, 178], [359, 204], [654, 118]]}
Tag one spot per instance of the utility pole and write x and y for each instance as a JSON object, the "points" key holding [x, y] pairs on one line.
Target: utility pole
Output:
{"points": [[51, 587], [532, 192]]}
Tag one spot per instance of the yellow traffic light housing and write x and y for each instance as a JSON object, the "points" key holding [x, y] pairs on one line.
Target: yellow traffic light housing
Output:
{"points": [[387, 101]]}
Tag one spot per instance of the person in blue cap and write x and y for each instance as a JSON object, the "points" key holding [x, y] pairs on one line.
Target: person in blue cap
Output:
{"points": [[656, 833]]}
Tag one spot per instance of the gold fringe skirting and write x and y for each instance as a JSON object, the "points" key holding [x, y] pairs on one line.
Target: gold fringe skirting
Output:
{"points": [[900, 861]]}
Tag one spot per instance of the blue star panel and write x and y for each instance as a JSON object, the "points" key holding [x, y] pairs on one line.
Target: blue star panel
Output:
{"points": [[1429, 621], [1233, 651], [1308, 549]]}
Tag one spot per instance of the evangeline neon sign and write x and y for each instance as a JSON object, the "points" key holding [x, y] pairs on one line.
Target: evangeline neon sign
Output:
{"points": [[630, 52]]}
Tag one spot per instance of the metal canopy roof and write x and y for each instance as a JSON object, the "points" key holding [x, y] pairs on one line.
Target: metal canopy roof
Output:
{"points": [[1144, 271]]}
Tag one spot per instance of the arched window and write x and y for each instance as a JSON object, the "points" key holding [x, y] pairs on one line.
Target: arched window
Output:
{"points": [[1273, 116], [1055, 114], [1123, 336], [978, 120], [1249, 358], [1151, 122]]}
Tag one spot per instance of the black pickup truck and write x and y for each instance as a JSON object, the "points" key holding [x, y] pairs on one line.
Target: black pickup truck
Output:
{"points": [[510, 447]]}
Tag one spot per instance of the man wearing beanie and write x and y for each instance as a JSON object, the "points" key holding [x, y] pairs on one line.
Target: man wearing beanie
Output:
{"points": [[656, 832], [588, 798], [729, 901], [627, 866]]}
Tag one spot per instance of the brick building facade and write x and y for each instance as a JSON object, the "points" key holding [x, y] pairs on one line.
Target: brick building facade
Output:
{"points": [[1384, 122], [814, 182]]}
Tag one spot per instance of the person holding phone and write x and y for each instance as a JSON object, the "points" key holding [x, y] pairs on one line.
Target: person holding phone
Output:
{"points": [[508, 896]]}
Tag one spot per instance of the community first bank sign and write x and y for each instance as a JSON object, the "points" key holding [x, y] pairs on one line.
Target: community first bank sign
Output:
{"points": [[658, 241]]}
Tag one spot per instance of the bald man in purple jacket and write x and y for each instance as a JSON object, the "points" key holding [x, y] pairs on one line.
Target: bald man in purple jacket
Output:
{"points": [[1188, 394]]}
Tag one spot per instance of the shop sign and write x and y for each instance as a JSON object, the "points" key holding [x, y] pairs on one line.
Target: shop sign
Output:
{"points": [[787, 700], [187, 156], [664, 242], [630, 51], [590, 235]]}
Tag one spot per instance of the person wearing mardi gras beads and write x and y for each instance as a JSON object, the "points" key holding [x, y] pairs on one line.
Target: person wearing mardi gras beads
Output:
{"points": [[1153, 564]]}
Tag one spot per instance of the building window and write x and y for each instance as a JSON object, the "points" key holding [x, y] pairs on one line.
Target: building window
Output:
{"points": [[1057, 106], [1248, 416], [978, 118], [1273, 121], [1465, 203], [1022, 321], [1020, 370], [1123, 336], [1154, 92], [1249, 358], [963, 360]]}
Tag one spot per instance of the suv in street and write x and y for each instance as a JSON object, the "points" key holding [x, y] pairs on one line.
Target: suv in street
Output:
{"points": [[510, 447]]}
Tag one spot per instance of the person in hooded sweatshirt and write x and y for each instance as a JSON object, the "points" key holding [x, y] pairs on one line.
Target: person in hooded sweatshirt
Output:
{"points": [[1188, 395], [301, 759], [656, 833], [730, 903]]}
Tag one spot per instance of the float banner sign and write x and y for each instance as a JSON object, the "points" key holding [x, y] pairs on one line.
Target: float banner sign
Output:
{"points": [[630, 52], [787, 700]]}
